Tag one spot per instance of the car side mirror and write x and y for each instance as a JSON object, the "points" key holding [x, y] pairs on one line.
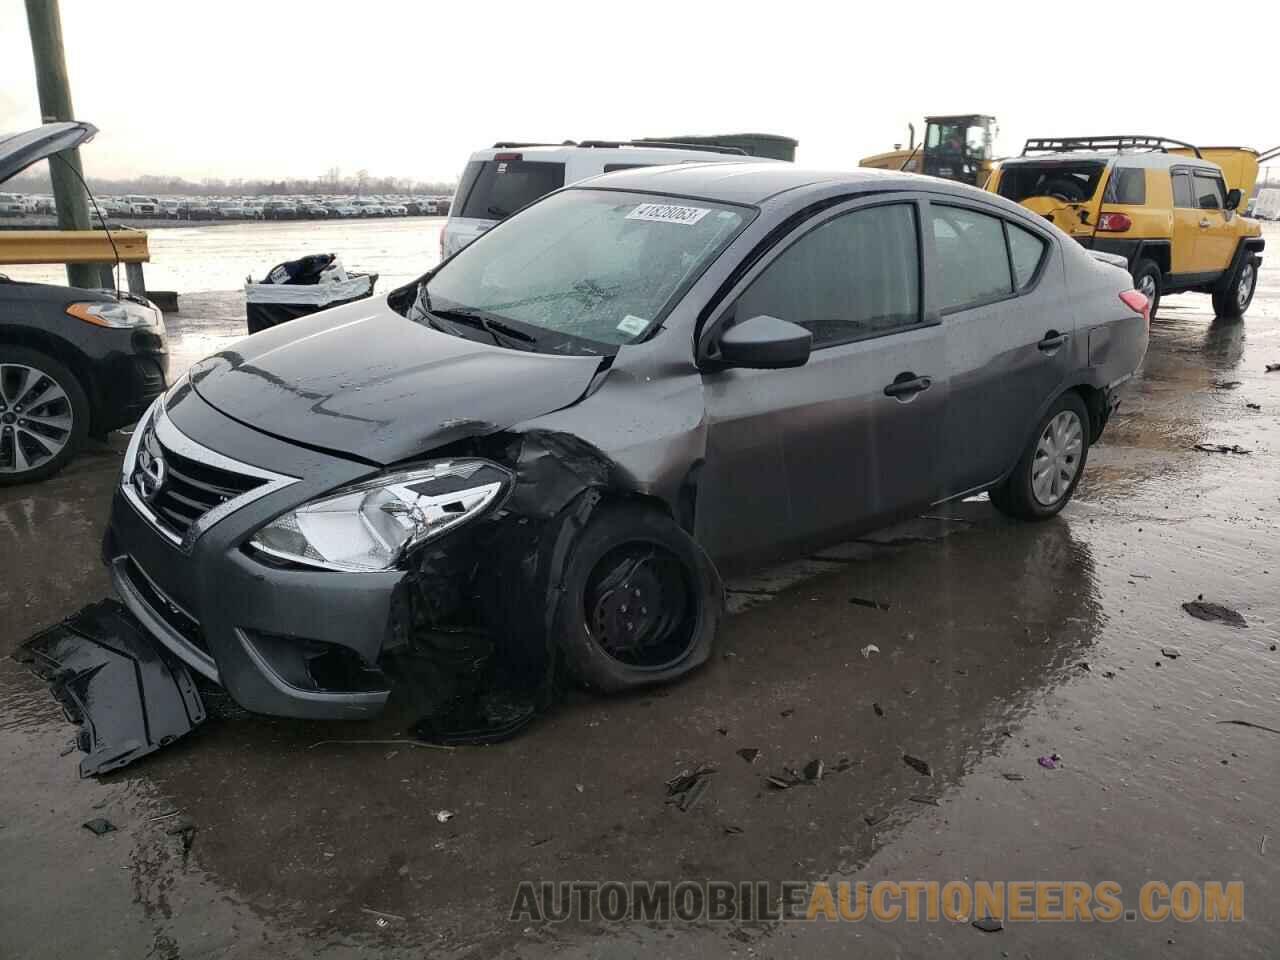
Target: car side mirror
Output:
{"points": [[765, 343], [1234, 196]]}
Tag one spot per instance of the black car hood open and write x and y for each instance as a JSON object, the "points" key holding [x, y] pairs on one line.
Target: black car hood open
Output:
{"points": [[20, 150], [364, 381]]}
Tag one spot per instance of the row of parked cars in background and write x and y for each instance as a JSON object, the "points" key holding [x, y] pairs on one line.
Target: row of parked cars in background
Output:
{"points": [[241, 208]]}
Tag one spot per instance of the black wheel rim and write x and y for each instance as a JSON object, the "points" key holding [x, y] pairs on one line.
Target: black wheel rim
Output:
{"points": [[641, 606]]}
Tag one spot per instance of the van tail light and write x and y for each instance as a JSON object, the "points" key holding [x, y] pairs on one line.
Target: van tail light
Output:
{"points": [[1138, 303], [1114, 222]]}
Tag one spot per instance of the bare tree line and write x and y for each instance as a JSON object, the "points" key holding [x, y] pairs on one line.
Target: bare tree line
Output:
{"points": [[333, 183]]}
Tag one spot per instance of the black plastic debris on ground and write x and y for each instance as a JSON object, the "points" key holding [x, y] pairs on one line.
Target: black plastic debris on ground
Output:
{"points": [[989, 925], [749, 754], [1173, 653], [99, 826], [1221, 448], [1202, 609], [687, 787], [918, 765], [873, 604], [128, 695]]}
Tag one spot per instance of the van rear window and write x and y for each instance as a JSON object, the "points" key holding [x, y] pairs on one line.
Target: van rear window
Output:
{"points": [[498, 188], [1074, 182]]}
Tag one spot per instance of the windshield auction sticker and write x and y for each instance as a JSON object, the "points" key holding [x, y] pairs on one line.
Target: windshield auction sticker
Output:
{"points": [[668, 213]]}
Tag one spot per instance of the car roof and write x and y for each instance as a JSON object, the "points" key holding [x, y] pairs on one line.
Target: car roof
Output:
{"points": [[755, 182], [1153, 159]]}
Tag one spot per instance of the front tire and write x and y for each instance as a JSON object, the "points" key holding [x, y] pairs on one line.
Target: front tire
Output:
{"points": [[1233, 300], [641, 602], [44, 415], [1146, 280], [1051, 466]]}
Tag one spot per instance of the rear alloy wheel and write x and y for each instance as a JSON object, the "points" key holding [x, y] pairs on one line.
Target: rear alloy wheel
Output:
{"points": [[44, 415], [1050, 468], [1146, 280], [1234, 300], [641, 601]]}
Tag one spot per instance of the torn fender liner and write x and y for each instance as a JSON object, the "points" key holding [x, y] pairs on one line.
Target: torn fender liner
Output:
{"points": [[127, 694]]}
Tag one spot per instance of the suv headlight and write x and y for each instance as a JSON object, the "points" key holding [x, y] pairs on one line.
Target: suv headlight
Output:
{"points": [[118, 313], [369, 526]]}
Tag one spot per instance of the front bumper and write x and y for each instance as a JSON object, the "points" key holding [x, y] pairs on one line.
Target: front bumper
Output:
{"points": [[281, 640]]}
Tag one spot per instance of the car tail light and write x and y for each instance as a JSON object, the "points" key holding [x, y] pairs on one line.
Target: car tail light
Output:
{"points": [[508, 156], [1114, 222], [1138, 303]]}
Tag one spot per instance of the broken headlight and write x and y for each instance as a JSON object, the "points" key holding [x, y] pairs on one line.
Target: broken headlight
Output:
{"points": [[369, 526]]}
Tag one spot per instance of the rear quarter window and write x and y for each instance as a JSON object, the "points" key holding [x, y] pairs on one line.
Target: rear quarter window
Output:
{"points": [[1127, 185], [501, 187], [1026, 250]]}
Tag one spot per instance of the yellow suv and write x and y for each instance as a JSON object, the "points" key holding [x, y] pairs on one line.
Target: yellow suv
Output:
{"points": [[1158, 203]]}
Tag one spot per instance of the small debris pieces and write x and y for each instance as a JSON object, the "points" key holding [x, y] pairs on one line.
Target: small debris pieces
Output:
{"points": [[723, 731], [687, 787], [184, 828], [1201, 609], [1109, 674], [1238, 723], [1220, 448], [843, 764], [1273, 367], [749, 754], [384, 917], [868, 650], [925, 799], [989, 925], [780, 783], [787, 712], [1254, 406], [874, 818], [1050, 762], [873, 604], [444, 816], [1013, 776], [732, 829], [98, 826], [878, 709], [1226, 384], [1083, 666], [813, 770], [918, 765], [1173, 653]]}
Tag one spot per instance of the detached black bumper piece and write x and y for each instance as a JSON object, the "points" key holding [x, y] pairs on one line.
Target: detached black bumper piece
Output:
{"points": [[127, 694]]}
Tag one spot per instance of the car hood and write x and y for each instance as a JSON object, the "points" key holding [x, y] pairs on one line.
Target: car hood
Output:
{"points": [[363, 381], [20, 150]]}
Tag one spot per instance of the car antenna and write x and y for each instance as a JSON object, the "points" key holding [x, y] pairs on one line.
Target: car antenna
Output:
{"points": [[115, 274]]}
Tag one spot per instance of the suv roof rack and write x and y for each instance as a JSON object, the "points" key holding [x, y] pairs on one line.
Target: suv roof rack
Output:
{"points": [[610, 144], [1116, 142]]}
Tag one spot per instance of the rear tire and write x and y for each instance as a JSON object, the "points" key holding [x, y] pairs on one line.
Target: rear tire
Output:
{"points": [[1146, 280], [641, 602], [1232, 299], [44, 415], [1051, 466]]}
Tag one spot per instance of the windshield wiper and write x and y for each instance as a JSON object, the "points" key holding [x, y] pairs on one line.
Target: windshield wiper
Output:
{"points": [[495, 328]]}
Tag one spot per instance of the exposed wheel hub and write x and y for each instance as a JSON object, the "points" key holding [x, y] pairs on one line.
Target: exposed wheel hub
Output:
{"points": [[638, 604]]}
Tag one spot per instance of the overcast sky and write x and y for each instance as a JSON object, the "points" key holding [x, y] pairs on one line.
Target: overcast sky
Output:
{"points": [[274, 88]]}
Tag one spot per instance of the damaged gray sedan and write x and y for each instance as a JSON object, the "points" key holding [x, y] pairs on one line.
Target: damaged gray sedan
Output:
{"points": [[551, 447]]}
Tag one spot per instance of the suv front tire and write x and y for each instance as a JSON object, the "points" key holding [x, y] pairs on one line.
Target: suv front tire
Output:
{"points": [[1232, 299]]}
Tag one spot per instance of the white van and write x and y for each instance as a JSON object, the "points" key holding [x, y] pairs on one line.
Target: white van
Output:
{"points": [[1268, 205], [499, 181]]}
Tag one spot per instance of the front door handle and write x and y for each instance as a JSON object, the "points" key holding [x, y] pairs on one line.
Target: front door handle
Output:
{"points": [[906, 385], [1052, 341], [1204, 224]]}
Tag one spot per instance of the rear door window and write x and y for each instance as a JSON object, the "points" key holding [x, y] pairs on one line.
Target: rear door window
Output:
{"points": [[1127, 185], [501, 187], [852, 277], [973, 263], [1209, 192], [1026, 250]]}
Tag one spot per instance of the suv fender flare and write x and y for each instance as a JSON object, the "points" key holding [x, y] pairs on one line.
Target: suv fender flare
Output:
{"points": [[1163, 250], [1246, 247]]}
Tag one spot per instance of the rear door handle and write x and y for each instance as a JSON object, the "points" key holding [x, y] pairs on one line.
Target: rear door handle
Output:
{"points": [[906, 385], [1052, 341]]}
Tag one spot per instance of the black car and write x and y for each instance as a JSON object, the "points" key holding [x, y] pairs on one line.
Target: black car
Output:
{"points": [[552, 446], [73, 362]]}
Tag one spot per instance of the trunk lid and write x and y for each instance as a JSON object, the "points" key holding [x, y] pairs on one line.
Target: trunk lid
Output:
{"points": [[20, 150]]}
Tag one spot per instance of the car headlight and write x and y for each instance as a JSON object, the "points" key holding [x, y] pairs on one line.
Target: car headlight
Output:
{"points": [[370, 526], [118, 313]]}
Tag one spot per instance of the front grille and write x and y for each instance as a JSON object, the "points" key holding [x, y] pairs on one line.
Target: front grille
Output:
{"points": [[191, 489], [179, 490]]}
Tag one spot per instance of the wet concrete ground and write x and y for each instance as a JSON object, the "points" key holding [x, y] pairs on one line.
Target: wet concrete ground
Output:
{"points": [[980, 669]]}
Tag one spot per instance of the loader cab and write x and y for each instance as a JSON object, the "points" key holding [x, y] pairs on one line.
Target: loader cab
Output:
{"points": [[959, 147]]}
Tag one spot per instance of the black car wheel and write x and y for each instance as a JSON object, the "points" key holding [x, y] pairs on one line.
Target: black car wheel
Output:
{"points": [[1232, 300], [641, 601], [44, 415], [1146, 280], [1050, 468]]}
